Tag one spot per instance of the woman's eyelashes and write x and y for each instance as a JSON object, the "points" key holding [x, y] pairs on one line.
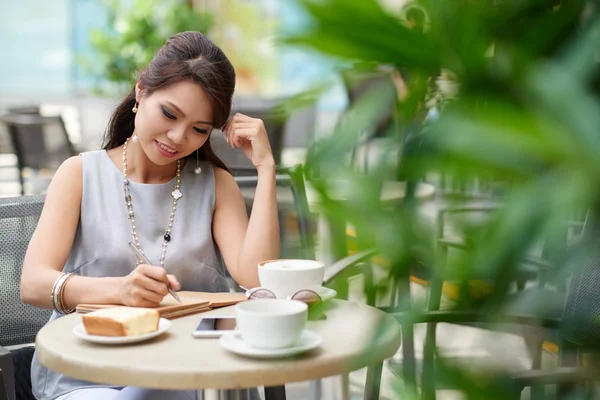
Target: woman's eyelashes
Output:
{"points": [[201, 131], [168, 114], [172, 117]]}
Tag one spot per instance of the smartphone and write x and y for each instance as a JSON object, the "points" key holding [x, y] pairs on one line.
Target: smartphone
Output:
{"points": [[211, 327]]}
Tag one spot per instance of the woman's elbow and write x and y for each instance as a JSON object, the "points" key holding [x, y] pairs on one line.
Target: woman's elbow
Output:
{"points": [[26, 290], [25, 295]]}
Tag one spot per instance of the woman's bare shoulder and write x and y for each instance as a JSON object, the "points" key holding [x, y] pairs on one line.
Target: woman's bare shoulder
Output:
{"points": [[223, 177], [70, 168], [67, 181]]}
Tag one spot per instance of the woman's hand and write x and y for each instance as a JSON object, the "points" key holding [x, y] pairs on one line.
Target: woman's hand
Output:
{"points": [[146, 286], [250, 135]]}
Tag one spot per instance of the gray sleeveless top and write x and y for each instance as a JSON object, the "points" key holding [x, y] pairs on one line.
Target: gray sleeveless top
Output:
{"points": [[100, 246]]}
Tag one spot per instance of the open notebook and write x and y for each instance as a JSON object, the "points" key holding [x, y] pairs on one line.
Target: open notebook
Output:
{"points": [[191, 303]]}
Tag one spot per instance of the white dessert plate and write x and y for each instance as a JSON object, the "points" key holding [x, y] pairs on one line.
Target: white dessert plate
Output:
{"points": [[233, 342], [325, 292], [79, 331]]}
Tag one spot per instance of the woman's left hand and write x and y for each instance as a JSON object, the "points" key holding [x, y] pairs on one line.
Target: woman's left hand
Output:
{"points": [[250, 135]]}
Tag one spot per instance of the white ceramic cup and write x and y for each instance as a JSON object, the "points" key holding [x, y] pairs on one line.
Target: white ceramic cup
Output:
{"points": [[284, 277], [271, 323]]}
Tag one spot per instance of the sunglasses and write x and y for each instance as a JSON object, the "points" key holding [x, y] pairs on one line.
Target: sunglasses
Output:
{"points": [[310, 297]]}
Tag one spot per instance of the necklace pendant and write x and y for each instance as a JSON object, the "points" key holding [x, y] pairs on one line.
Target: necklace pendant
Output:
{"points": [[176, 194], [167, 237]]}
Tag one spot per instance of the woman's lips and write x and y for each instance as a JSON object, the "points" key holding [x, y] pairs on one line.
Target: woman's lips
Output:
{"points": [[165, 150]]}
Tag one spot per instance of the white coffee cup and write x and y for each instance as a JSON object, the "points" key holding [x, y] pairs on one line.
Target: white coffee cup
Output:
{"points": [[271, 323], [284, 277]]}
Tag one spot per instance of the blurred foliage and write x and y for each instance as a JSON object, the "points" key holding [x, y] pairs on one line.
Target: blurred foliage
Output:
{"points": [[523, 117], [137, 29]]}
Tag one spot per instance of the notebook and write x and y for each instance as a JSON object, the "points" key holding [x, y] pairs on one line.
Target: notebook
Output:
{"points": [[191, 303]]}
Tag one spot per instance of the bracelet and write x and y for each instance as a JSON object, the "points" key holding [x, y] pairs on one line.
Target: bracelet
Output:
{"points": [[57, 293], [61, 296], [53, 293], [57, 296]]}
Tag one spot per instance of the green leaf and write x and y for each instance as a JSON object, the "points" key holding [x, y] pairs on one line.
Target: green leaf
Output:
{"points": [[136, 33], [365, 32]]}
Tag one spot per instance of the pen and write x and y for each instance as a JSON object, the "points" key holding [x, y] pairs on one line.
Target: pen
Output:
{"points": [[145, 260]]}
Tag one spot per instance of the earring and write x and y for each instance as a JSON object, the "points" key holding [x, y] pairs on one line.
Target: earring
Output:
{"points": [[134, 139], [197, 170], [135, 108]]}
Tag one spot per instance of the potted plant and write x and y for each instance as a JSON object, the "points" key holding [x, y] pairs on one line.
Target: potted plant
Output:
{"points": [[527, 111]]}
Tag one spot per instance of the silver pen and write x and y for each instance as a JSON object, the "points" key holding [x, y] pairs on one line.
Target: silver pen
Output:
{"points": [[145, 260]]}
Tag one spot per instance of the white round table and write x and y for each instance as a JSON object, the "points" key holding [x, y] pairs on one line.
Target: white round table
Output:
{"points": [[354, 336]]}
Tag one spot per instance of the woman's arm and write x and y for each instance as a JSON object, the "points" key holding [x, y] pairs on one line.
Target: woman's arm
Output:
{"points": [[51, 245], [244, 244]]}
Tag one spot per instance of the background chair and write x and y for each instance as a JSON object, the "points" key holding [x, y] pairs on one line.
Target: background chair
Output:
{"points": [[563, 377], [358, 83], [40, 143], [19, 323], [576, 326], [476, 293]]}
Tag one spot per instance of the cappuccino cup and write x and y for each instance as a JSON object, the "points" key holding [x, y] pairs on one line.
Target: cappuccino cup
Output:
{"points": [[271, 323], [284, 277]]}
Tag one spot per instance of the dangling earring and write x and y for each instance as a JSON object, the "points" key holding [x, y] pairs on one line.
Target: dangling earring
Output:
{"points": [[134, 139], [197, 170], [135, 108]]}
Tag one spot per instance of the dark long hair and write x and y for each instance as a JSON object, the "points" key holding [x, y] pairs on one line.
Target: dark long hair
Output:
{"points": [[186, 55]]}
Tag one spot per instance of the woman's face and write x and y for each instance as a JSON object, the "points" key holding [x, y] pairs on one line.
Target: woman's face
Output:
{"points": [[173, 122]]}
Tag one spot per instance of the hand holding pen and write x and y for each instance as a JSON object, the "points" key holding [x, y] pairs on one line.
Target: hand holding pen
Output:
{"points": [[147, 285]]}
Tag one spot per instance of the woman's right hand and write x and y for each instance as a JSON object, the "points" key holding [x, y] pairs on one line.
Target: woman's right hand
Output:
{"points": [[146, 286]]}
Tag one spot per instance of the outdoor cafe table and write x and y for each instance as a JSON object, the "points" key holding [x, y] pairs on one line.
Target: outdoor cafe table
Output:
{"points": [[354, 336]]}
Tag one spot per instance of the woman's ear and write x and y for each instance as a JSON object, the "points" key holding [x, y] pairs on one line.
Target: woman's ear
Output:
{"points": [[139, 91]]}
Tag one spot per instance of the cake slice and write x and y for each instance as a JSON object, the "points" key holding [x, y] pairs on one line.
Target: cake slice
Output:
{"points": [[121, 321]]}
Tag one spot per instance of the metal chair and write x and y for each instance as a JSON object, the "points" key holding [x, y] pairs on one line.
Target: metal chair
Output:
{"points": [[40, 143], [19, 323], [473, 295], [576, 324], [358, 83]]}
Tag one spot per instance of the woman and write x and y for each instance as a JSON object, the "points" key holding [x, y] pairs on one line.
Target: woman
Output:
{"points": [[156, 184]]}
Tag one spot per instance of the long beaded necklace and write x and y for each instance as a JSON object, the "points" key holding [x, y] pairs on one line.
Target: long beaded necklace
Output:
{"points": [[176, 194]]}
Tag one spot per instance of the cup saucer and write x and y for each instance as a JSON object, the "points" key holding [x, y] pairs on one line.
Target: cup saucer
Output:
{"points": [[325, 292], [233, 342]]}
